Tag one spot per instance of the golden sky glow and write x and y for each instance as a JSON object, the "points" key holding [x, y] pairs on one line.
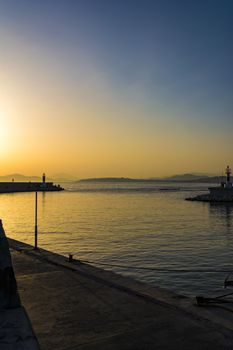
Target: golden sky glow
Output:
{"points": [[61, 111]]}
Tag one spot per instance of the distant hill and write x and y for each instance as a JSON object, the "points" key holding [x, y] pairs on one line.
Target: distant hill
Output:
{"points": [[186, 177], [201, 178], [21, 178], [63, 177], [196, 178], [33, 178], [109, 179], [210, 179], [176, 178]]}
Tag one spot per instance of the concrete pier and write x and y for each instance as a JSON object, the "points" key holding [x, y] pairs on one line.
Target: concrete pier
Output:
{"points": [[77, 306], [12, 187], [16, 332]]}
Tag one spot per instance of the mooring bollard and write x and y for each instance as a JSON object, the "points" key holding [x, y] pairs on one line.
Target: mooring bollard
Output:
{"points": [[36, 227], [70, 258], [9, 297]]}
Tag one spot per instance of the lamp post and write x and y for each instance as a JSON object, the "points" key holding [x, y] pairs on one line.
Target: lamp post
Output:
{"points": [[36, 228]]}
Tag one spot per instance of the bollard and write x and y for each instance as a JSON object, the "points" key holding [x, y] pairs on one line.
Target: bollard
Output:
{"points": [[36, 227], [70, 258], [9, 297]]}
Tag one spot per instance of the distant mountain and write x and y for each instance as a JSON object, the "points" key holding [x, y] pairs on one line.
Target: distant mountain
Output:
{"points": [[21, 178], [176, 178], [109, 179], [63, 177], [210, 179], [186, 177], [33, 178], [201, 178]]}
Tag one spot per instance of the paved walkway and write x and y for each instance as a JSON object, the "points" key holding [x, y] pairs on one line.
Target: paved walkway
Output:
{"points": [[76, 306], [15, 328]]}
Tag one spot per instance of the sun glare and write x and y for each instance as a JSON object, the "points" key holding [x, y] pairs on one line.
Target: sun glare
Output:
{"points": [[4, 135]]}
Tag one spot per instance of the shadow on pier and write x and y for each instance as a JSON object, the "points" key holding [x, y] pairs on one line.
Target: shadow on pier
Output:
{"points": [[15, 327]]}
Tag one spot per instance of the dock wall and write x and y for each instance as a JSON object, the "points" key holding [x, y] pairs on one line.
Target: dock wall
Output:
{"points": [[221, 194], [9, 187], [16, 331], [74, 305]]}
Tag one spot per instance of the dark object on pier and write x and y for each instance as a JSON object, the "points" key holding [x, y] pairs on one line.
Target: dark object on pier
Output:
{"points": [[220, 299], [70, 258], [8, 281], [228, 283], [9, 297], [205, 301], [202, 301]]}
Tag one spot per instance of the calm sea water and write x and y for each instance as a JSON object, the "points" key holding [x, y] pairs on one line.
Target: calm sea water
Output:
{"points": [[131, 224]]}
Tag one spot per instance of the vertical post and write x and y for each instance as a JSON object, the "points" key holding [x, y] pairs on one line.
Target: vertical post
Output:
{"points": [[36, 230]]}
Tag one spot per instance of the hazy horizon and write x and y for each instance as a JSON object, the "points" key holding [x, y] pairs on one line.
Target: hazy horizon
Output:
{"points": [[116, 88], [71, 177], [196, 173]]}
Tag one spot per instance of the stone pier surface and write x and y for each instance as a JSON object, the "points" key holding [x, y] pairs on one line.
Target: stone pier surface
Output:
{"points": [[15, 328], [77, 306]]}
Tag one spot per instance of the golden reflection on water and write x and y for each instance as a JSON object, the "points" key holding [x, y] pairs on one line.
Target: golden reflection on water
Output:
{"points": [[143, 228]]}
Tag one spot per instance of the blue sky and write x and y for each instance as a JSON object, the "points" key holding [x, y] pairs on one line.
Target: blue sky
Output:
{"points": [[174, 58], [181, 50]]}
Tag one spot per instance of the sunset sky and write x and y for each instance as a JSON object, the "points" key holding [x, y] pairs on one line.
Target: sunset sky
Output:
{"points": [[136, 88]]}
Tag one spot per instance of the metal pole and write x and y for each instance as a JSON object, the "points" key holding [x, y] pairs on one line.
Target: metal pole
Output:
{"points": [[36, 230]]}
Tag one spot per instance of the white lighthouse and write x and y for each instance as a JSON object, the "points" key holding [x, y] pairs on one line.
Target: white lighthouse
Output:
{"points": [[43, 178], [228, 175], [43, 185], [223, 193]]}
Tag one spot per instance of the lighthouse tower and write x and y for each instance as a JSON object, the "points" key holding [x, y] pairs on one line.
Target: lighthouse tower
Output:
{"points": [[43, 178], [43, 185], [228, 175]]}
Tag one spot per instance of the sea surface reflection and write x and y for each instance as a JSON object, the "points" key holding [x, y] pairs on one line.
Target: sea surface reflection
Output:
{"points": [[222, 211], [135, 225]]}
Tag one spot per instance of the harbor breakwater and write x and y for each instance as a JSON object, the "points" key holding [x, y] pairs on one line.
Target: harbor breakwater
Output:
{"points": [[11, 187], [9, 297]]}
